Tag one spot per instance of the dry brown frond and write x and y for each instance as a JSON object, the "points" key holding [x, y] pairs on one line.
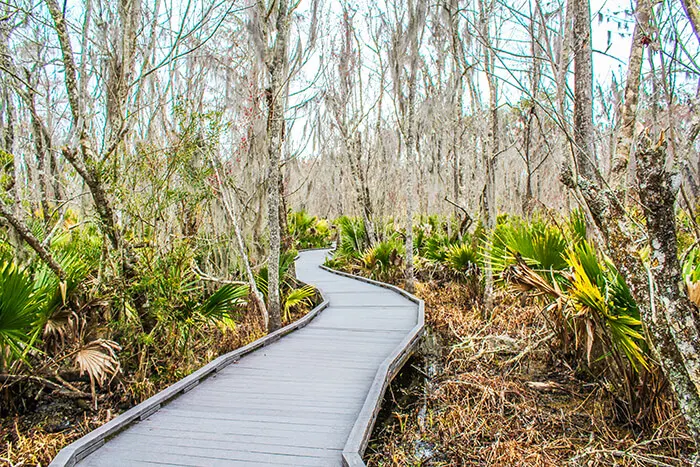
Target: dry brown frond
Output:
{"points": [[523, 279], [61, 325], [693, 291], [99, 360]]}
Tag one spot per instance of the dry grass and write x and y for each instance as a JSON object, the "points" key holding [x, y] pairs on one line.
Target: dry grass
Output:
{"points": [[499, 397], [33, 446]]}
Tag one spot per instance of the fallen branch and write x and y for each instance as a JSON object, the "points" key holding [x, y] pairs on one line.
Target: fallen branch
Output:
{"points": [[64, 388], [206, 277]]}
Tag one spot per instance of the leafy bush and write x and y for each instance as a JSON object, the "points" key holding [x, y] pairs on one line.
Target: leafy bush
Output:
{"points": [[308, 231], [435, 248], [600, 294], [353, 240], [537, 244], [384, 260], [462, 258]]}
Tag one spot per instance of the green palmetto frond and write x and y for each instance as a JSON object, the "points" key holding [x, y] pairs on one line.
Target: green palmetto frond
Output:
{"points": [[353, 237], [435, 248], [538, 245], [297, 297], [576, 226], [19, 309], [262, 277], [462, 258], [308, 231], [222, 304], [383, 258], [603, 292], [52, 293]]}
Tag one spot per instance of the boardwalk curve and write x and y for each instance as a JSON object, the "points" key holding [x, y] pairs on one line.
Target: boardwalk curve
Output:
{"points": [[308, 399]]}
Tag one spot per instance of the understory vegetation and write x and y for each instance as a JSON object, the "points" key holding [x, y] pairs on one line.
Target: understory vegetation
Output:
{"points": [[77, 350], [553, 365]]}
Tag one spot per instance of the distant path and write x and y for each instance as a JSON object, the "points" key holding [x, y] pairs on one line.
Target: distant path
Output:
{"points": [[293, 402]]}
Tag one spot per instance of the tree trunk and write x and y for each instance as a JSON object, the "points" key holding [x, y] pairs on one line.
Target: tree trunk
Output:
{"points": [[672, 319], [488, 196], [230, 207], [583, 91], [692, 10], [85, 165], [120, 68], [415, 30], [276, 67], [628, 118]]}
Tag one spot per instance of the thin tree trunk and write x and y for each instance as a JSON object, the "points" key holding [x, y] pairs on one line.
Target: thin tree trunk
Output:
{"points": [[583, 90], [275, 131], [230, 208], [26, 235], [415, 31], [621, 155]]}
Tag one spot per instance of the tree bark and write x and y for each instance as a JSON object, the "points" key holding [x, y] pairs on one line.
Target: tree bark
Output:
{"points": [[692, 11], [672, 319], [628, 118], [276, 67], [26, 235], [415, 31], [120, 67], [86, 165], [583, 90]]}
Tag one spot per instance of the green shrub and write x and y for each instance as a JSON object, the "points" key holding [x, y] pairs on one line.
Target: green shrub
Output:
{"points": [[308, 231], [537, 244], [353, 240], [384, 261]]}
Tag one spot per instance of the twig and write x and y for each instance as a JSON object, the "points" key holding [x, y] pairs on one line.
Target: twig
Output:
{"points": [[467, 222], [205, 277], [529, 348]]}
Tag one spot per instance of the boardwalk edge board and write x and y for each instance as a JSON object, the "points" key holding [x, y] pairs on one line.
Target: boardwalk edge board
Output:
{"points": [[362, 429], [92, 441]]}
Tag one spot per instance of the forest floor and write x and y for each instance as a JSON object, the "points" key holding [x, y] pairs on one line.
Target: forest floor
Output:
{"points": [[41, 422], [490, 392]]}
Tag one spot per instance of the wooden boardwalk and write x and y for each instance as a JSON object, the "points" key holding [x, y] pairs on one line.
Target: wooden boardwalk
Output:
{"points": [[300, 401]]}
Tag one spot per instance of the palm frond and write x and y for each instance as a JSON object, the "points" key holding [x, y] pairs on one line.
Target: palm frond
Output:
{"points": [[576, 226], [353, 237], [19, 310], [601, 291], [297, 297], [384, 258], [98, 359], [462, 258], [222, 304]]}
